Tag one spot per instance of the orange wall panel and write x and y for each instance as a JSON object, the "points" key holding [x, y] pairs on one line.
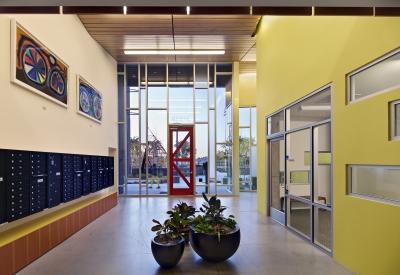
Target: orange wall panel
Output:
{"points": [[44, 239], [62, 229], [54, 234], [20, 253], [33, 246], [6, 259]]}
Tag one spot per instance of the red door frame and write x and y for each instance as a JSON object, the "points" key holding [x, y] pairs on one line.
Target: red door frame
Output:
{"points": [[172, 153]]}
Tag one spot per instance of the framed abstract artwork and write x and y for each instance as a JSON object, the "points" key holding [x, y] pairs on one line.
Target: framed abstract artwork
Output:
{"points": [[36, 68], [90, 100]]}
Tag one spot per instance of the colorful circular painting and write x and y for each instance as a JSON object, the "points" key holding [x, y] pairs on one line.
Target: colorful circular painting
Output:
{"points": [[34, 66], [97, 107], [57, 83], [84, 100]]}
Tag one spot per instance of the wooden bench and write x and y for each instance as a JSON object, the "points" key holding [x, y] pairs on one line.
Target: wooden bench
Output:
{"points": [[320, 198]]}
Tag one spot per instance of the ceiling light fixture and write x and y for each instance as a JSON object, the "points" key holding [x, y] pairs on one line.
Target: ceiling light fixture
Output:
{"points": [[124, 9], [187, 10], [315, 108], [173, 52]]}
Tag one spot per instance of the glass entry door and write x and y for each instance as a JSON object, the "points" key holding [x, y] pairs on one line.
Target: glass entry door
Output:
{"points": [[277, 179], [181, 164]]}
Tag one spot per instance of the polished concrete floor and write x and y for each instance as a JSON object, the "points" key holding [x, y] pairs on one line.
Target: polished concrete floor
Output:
{"points": [[119, 243]]}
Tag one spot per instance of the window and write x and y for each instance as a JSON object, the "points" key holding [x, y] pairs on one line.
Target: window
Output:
{"points": [[376, 77], [395, 120], [376, 182]]}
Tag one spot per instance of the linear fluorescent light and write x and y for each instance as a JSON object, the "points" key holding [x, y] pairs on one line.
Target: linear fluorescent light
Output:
{"points": [[124, 9], [315, 108], [173, 52], [187, 10]]}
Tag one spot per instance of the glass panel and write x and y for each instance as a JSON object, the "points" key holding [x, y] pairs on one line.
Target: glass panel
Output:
{"points": [[322, 164], [378, 77], [121, 154], [313, 109], [244, 158], [254, 125], [180, 104], [156, 75], [120, 67], [178, 180], [244, 116], [211, 82], [157, 143], [224, 67], [132, 187], [298, 171], [201, 75], [376, 182], [121, 98], [223, 108], [397, 119], [180, 74], [275, 123], [253, 167], [143, 116], [224, 164], [143, 188], [157, 96], [298, 216], [201, 153], [228, 190], [134, 160], [155, 181], [212, 144], [132, 82], [142, 75], [177, 138], [201, 105], [202, 189], [322, 228], [277, 160]]}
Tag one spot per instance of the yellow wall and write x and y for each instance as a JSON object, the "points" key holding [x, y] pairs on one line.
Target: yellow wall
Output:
{"points": [[31, 122], [296, 56], [248, 89]]}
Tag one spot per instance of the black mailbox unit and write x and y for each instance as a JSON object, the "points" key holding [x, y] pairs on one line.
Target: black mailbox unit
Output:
{"points": [[78, 176], [67, 178], [38, 181], [106, 172], [86, 165], [94, 174], [18, 190], [55, 180], [100, 169], [110, 171], [3, 202]]}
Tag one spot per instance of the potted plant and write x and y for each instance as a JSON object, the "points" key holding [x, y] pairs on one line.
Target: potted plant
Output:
{"points": [[180, 217], [168, 244], [214, 237]]}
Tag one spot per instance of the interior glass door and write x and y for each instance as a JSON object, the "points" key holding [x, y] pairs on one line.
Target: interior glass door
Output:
{"points": [[181, 177], [277, 179]]}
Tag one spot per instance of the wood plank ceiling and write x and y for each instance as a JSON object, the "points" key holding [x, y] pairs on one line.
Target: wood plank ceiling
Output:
{"points": [[116, 33]]}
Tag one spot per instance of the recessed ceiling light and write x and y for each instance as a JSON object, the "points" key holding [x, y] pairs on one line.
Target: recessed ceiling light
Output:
{"points": [[173, 52]]}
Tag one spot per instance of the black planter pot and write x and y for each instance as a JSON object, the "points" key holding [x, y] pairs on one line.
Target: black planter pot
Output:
{"points": [[211, 249], [167, 256]]}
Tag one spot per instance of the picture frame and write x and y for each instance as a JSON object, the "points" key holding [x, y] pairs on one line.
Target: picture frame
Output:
{"points": [[89, 100], [36, 68]]}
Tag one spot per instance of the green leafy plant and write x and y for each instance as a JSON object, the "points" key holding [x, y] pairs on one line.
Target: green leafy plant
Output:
{"points": [[180, 217], [165, 232], [213, 221]]}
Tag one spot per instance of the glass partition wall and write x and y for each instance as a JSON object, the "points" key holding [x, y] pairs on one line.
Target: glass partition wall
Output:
{"points": [[153, 97], [300, 167]]}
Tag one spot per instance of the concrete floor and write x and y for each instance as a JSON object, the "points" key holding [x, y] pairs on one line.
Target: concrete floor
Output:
{"points": [[119, 243]]}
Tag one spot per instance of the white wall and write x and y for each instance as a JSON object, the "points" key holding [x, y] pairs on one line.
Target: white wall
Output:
{"points": [[25, 125]]}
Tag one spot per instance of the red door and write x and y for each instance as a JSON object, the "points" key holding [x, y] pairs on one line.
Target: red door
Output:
{"points": [[181, 160]]}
